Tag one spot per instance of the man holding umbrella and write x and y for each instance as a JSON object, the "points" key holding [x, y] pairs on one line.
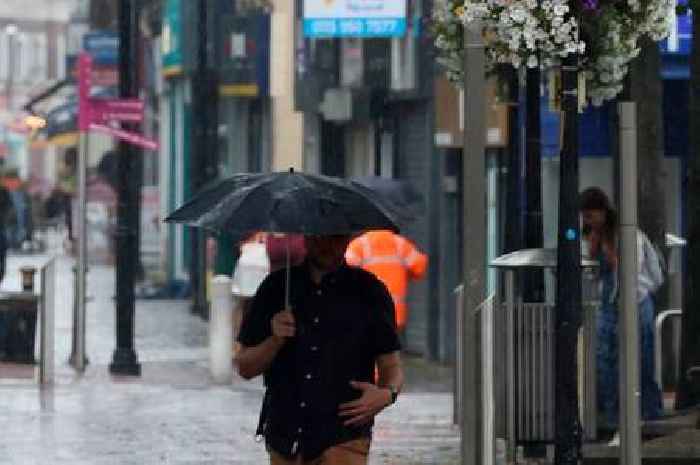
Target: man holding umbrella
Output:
{"points": [[318, 358], [317, 330]]}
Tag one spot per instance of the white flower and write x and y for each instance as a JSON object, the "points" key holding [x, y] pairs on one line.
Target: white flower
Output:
{"points": [[561, 9], [518, 14]]}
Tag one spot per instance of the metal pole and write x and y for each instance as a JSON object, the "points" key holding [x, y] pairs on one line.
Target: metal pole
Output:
{"points": [[568, 302], [47, 306], [79, 356], [533, 286], [474, 238], [628, 326], [11, 31], [124, 359], [205, 129]]}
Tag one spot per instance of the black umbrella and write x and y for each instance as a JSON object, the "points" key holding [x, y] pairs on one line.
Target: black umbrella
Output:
{"points": [[287, 202], [405, 200]]}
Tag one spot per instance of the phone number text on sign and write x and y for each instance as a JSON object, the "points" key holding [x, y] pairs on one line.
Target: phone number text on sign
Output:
{"points": [[353, 27]]}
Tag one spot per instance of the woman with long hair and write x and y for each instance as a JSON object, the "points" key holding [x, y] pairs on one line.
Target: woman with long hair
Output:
{"points": [[601, 233]]}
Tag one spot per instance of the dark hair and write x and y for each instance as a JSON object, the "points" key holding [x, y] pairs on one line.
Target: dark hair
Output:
{"points": [[594, 198]]}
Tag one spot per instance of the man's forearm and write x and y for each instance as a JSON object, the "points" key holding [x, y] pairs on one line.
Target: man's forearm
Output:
{"points": [[392, 376], [390, 371], [253, 361]]}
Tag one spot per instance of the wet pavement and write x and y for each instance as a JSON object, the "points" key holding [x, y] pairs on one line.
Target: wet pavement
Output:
{"points": [[173, 414]]}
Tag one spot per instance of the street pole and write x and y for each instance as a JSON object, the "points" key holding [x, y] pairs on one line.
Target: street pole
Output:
{"points": [[11, 31], [124, 359], [568, 300], [474, 239], [630, 430], [533, 286], [205, 128], [78, 358]]}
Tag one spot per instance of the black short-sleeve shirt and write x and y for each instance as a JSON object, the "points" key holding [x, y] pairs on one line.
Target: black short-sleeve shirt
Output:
{"points": [[342, 325]]}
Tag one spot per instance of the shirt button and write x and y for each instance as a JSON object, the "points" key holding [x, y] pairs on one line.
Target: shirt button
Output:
{"points": [[308, 376]]}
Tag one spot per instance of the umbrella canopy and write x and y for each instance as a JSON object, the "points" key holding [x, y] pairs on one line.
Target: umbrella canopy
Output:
{"points": [[407, 201], [287, 202]]}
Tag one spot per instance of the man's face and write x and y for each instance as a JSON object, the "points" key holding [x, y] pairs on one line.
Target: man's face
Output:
{"points": [[327, 252]]}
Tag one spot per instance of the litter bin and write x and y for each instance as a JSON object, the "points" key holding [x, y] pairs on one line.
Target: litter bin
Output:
{"points": [[524, 377], [19, 314]]}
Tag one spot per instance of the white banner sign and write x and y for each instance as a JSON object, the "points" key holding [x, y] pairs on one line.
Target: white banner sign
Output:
{"points": [[354, 18]]}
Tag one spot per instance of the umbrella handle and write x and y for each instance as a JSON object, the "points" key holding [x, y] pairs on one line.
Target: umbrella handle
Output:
{"points": [[288, 281]]}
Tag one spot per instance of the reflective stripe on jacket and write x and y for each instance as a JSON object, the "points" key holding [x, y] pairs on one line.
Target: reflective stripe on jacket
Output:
{"points": [[393, 259]]}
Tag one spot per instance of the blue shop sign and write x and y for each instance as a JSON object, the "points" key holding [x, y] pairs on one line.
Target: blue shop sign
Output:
{"points": [[681, 34], [354, 18], [103, 47]]}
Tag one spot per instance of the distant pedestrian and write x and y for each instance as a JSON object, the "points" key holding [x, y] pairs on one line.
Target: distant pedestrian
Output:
{"points": [[394, 260], [260, 254], [252, 267], [318, 357], [601, 233]]}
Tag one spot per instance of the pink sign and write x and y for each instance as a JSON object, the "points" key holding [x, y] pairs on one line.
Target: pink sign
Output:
{"points": [[93, 114], [84, 67], [126, 136], [129, 110]]}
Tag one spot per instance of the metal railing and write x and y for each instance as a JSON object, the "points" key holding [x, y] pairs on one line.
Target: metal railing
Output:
{"points": [[519, 381], [486, 319], [658, 343]]}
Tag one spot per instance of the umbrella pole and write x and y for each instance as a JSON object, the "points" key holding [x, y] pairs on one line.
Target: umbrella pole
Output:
{"points": [[289, 273]]}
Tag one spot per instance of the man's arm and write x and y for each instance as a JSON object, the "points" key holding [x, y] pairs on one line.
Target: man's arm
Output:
{"points": [[390, 370], [415, 262], [374, 398], [254, 360]]}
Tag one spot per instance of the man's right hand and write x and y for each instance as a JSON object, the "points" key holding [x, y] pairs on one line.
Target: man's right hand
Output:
{"points": [[283, 325], [253, 361]]}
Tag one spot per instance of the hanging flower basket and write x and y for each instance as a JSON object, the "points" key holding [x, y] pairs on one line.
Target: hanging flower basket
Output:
{"points": [[540, 33]]}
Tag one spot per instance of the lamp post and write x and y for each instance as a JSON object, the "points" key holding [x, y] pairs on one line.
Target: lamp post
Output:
{"points": [[205, 131], [568, 300], [124, 359], [472, 439]]}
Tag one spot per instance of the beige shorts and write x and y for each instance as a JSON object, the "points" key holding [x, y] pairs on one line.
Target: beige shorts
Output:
{"points": [[353, 452]]}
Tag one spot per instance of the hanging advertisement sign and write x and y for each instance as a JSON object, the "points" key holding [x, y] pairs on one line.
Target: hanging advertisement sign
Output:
{"points": [[171, 38], [354, 18], [103, 47], [245, 56]]}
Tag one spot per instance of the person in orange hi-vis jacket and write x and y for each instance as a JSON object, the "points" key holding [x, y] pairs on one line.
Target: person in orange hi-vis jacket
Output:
{"points": [[394, 260]]}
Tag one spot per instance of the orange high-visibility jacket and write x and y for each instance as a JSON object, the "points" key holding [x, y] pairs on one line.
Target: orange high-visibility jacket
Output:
{"points": [[391, 258]]}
